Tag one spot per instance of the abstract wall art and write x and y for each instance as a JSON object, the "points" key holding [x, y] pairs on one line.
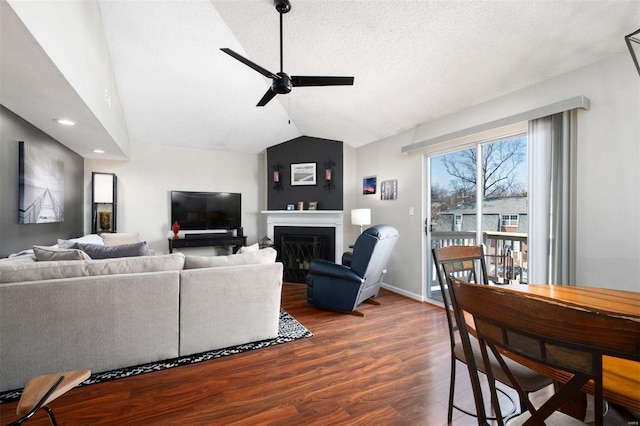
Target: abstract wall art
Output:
{"points": [[41, 186]]}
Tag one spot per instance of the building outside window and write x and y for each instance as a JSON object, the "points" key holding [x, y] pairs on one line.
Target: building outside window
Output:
{"points": [[509, 220]]}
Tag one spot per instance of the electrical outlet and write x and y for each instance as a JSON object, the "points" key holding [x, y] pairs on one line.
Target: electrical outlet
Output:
{"points": [[411, 211]]}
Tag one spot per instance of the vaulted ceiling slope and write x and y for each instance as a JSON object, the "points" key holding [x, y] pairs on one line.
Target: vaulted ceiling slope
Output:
{"points": [[413, 61]]}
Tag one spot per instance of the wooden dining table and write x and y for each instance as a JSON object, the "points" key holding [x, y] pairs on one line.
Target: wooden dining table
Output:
{"points": [[621, 377]]}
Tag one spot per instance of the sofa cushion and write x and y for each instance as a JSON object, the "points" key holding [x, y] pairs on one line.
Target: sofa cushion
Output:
{"points": [[265, 255], [97, 251], [43, 253], [35, 271], [129, 265], [29, 270], [119, 238]]}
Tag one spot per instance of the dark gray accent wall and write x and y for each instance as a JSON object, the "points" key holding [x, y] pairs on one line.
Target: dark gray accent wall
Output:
{"points": [[306, 149], [15, 237]]}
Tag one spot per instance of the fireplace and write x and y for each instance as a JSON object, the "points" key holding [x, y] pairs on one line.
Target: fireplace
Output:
{"points": [[297, 246], [308, 235]]}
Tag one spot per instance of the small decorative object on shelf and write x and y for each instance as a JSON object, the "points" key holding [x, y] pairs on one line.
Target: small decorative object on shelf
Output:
{"points": [[328, 175], [300, 205], [105, 221], [313, 205], [176, 229], [277, 177]]}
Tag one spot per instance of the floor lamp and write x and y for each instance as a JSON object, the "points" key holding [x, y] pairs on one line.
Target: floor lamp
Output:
{"points": [[361, 217]]}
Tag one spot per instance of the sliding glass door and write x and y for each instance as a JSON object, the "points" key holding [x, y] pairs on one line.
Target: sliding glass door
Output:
{"points": [[494, 172]]}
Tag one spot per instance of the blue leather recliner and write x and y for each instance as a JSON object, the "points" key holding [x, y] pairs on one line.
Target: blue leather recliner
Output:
{"points": [[343, 287]]}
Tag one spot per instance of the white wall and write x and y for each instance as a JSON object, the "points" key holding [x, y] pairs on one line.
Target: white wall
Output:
{"points": [[144, 183], [349, 195], [384, 160], [608, 188], [77, 45]]}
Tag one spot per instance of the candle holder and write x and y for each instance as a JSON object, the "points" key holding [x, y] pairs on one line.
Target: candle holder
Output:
{"points": [[277, 177], [328, 175]]}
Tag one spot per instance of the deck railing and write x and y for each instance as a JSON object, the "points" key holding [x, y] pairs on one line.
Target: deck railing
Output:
{"points": [[505, 254]]}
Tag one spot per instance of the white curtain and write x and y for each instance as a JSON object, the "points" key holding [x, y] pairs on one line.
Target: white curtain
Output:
{"points": [[552, 159]]}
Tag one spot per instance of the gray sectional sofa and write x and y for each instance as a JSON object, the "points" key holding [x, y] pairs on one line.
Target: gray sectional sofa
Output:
{"points": [[113, 313]]}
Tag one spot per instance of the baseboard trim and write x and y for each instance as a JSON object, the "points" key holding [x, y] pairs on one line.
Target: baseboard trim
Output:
{"points": [[403, 292]]}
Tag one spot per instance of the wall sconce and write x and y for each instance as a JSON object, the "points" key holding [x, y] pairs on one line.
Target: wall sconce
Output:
{"points": [[103, 202], [328, 175], [361, 217], [634, 48], [277, 177]]}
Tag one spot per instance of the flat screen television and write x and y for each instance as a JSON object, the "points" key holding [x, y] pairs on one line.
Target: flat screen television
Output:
{"points": [[206, 210]]}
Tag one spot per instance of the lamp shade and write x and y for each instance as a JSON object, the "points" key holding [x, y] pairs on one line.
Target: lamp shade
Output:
{"points": [[361, 217]]}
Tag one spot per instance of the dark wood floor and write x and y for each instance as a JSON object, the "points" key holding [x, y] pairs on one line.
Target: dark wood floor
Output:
{"points": [[389, 367]]}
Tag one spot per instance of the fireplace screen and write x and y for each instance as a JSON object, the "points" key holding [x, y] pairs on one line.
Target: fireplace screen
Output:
{"points": [[297, 252], [298, 246]]}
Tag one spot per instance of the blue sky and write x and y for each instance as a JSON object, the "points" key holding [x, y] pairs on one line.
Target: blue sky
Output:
{"points": [[439, 175]]}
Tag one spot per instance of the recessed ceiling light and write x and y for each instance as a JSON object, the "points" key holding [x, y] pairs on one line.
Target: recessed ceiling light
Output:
{"points": [[98, 151], [64, 122]]}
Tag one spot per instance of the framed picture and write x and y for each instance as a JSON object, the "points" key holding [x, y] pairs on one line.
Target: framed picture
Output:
{"points": [[41, 186], [313, 205], [303, 174], [389, 190], [369, 185]]}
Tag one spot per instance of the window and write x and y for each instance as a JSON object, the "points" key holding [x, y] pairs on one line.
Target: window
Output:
{"points": [[509, 220], [458, 222]]}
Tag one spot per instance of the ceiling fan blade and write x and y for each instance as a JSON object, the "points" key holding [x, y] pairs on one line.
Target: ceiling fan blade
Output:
{"points": [[248, 63], [305, 80], [267, 97]]}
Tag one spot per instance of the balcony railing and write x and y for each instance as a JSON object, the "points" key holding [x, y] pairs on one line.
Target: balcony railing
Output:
{"points": [[505, 255]]}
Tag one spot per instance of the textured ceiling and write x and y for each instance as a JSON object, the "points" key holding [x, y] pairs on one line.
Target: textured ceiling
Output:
{"points": [[413, 61]]}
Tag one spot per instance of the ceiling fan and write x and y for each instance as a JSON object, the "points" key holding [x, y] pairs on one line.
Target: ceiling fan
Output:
{"points": [[282, 83]]}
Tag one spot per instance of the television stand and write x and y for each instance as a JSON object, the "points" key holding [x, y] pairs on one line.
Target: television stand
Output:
{"points": [[210, 240]]}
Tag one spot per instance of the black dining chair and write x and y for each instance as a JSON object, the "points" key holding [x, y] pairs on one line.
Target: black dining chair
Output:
{"points": [[468, 262], [549, 333]]}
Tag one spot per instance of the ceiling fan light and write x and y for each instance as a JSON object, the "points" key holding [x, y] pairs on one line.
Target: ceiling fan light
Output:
{"points": [[64, 121]]}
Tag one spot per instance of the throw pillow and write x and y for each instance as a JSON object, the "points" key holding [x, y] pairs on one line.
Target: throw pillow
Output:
{"points": [[120, 238], [88, 239], [97, 251], [43, 253], [248, 249]]}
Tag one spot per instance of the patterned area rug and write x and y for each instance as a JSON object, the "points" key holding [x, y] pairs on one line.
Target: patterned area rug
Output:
{"points": [[289, 330]]}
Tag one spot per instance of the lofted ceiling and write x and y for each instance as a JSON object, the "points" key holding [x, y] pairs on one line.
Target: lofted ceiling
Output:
{"points": [[413, 61]]}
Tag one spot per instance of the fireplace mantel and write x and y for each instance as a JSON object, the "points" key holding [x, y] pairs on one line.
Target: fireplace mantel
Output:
{"points": [[310, 218]]}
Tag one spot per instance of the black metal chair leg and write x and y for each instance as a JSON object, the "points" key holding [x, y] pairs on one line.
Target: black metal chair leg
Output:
{"points": [[452, 385], [52, 418]]}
